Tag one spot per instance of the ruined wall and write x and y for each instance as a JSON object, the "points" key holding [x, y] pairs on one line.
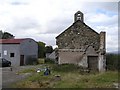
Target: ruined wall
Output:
{"points": [[90, 51], [80, 44], [102, 52], [78, 36]]}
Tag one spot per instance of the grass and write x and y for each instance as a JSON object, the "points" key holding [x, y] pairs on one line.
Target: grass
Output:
{"points": [[70, 77], [31, 70], [65, 68]]}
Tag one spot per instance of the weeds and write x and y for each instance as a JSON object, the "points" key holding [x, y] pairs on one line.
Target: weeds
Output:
{"points": [[70, 77]]}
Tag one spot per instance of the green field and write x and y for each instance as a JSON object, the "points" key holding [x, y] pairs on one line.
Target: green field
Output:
{"points": [[70, 76]]}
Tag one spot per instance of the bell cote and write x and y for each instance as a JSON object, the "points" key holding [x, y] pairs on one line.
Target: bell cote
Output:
{"points": [[78, 16]]}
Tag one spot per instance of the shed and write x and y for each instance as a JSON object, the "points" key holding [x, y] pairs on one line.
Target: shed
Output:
{"points": [[19, 51]]}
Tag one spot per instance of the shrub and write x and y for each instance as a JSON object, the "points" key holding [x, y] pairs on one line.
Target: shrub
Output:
{"points": [[49, 61], [112, 61], [41, 61], [65, 67]]}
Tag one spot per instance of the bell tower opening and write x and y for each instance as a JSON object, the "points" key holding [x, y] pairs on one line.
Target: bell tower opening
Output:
{"points": [[78, 16]]}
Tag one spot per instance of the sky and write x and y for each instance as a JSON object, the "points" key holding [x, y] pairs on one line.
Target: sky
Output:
{"points": [[43, 20]]}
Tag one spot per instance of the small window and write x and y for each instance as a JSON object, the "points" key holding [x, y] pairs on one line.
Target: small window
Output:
{"points": [[78, 18], [0, 55], [79, 14], [12, 54], [5, 52]]}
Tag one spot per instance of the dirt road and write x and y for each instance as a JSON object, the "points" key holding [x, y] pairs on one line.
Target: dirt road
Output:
{"points": [[10, 77]]}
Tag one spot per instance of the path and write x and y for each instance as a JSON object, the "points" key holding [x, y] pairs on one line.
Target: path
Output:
{"points": [[9, 77]]}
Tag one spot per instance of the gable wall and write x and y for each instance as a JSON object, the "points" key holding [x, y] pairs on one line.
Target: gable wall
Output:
{"points": [[83, 38], [78, 36]]}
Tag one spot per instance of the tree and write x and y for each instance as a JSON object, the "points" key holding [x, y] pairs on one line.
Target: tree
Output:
{"points": [[112, 61], [49, 49], [1, 34], [41, 49], [5, 35]]}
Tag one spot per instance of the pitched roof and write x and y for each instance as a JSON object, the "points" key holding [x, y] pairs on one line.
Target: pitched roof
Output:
{"points": [[11, 41]]}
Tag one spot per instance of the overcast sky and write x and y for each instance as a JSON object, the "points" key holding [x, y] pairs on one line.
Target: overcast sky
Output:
{"points": [[43, 20]]}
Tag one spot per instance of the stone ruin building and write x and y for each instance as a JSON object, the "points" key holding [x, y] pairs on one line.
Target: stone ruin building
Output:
{"points": [[80, 44]]}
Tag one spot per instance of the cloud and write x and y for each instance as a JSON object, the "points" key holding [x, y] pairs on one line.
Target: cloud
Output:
{"points": [[102, 6], [49, 39], [102, 19], [15, 2], [43, 20], [56, 26], [112, 43], [25, 23], [18, 3]]}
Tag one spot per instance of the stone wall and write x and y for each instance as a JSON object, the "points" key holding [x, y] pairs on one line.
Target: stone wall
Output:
{"points": [[78, 36], [102, 52], [79, 44]]}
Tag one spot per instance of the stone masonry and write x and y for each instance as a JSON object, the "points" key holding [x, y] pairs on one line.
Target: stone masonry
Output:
{"points": [[79, 44]]}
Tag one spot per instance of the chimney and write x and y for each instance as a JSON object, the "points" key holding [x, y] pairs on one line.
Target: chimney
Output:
{"points": [[102, 40], [102, 53]]}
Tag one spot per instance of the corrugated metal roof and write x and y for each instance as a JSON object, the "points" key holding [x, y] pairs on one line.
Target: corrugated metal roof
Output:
{"points": [[11, 41]]}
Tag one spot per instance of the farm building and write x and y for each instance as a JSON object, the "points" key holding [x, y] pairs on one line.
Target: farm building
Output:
{"points": [[19, 51], [79, 44]]}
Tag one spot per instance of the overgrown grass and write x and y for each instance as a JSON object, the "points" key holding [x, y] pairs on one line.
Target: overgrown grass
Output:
{"points": [[76, 80], [31, 70], [65, 68], [49, 61], [70, 77]]}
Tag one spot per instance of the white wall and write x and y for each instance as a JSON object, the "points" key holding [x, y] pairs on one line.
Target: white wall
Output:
{"points": [[11, 48]]}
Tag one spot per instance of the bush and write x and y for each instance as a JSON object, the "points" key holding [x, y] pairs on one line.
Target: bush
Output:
{"points": [[112, 61], [41, 61], [49, 61], [65, 67]]}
